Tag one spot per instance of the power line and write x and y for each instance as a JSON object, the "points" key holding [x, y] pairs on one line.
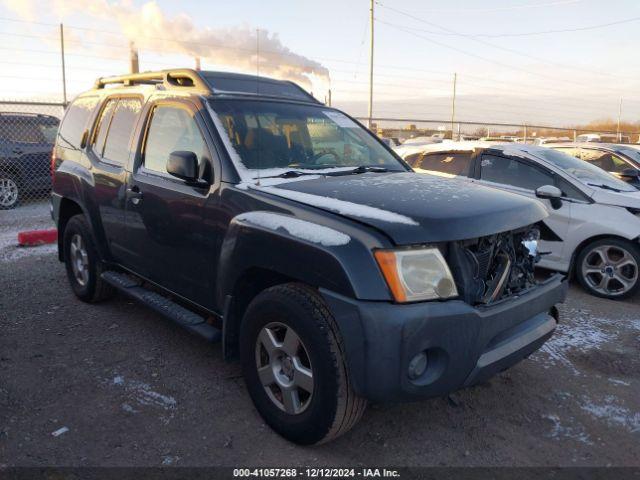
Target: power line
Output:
{"points": [[492, 45], [501, 9]]}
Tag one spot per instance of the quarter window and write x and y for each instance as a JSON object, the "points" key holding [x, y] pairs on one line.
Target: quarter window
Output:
{"points": [[172, 129], [508, 171], [75, 121]]}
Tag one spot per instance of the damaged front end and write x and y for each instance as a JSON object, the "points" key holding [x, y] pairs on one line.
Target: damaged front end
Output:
{"points": [[494, 267]]}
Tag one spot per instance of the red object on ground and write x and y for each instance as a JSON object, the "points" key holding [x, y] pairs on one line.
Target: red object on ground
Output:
{"points": [[37, 237]]}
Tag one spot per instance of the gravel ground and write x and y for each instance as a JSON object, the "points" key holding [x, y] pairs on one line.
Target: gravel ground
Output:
{"points": [[116, 385]]}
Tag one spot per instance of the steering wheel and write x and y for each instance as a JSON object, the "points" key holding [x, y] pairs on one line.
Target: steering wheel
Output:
{"points": [[324, 155]]}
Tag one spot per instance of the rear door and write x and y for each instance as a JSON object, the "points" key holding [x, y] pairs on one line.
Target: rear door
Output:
{"points": [[519, 176], [108, 151], [168, 239]]}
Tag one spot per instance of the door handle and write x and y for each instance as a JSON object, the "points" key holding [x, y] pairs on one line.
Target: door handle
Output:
{"points": [[134, 194]]}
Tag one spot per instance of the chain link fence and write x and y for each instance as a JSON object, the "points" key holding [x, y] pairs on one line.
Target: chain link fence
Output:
{"points": [[27, 134], [401, 130]]}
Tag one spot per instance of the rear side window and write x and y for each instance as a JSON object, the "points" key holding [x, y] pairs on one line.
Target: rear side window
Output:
{"points": [[172, 129], [75, 122], [103, 126], [508, 171], [125, 115], [454, 163]]}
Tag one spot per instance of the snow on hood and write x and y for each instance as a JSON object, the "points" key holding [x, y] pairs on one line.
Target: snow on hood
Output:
{"points": [[413, 208], [303, 229]]}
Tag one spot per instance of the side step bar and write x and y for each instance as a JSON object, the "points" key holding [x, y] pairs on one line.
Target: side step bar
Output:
{"points": [[177, 313]]}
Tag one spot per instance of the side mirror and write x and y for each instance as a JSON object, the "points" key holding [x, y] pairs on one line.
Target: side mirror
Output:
{"points": [[629, 174], [184, 165], [551, 193]]}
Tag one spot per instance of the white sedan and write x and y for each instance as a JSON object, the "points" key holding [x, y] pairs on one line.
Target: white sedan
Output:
{"points": [[593, 229]]}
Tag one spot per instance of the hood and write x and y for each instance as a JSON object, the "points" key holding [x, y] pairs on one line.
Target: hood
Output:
{"points": [[617, 199], [413, 208]]}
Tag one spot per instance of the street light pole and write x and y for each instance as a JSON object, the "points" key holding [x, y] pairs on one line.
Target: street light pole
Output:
{"points": [[64, 72]]}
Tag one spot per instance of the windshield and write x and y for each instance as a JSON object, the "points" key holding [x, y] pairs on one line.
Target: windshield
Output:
{"points": [[583, 171], [270, 138]]}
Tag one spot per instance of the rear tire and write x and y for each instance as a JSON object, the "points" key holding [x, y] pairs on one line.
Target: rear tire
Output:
{"points": [[10, 191], [290, 345], [82, 262], [609, 268]]}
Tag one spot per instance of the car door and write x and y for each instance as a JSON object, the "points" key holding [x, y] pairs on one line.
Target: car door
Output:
{"points": [[166, 234], [108, 150], [519, 176]]}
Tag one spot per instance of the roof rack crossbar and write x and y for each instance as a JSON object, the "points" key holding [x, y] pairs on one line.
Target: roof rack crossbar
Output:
{"points": [[171, 79]]}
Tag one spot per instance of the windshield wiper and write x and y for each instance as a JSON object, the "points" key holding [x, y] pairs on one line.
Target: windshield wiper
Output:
{"points": [[292, 174], [606, 187], [360, 169]]}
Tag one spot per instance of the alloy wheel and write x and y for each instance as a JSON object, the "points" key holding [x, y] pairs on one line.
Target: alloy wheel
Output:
{"points": [[8, 192], [284, 368], [610, 270], [79, 260]]}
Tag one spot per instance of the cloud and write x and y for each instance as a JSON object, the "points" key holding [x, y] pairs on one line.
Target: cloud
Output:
{"points": [[150, 28]]}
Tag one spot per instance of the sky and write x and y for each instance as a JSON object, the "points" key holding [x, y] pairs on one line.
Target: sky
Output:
{"points": [[508, 69]]}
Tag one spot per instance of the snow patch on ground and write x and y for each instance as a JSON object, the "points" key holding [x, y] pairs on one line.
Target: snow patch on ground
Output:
{"points": [[143, 394], [560, 431], [10, 251], [341, 206], [612, 413], [311, 232], [584, 334]]}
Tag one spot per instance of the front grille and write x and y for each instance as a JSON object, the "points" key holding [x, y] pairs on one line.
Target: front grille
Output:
{"points": [[491, 268]]}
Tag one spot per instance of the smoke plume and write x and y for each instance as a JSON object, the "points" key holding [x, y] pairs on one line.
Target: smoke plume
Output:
{"points": [[149, 28]]}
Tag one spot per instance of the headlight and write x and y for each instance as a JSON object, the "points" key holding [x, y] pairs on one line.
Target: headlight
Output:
{"points": [[413, 275]]}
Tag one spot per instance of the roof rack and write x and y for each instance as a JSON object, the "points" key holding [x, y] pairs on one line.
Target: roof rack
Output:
{"points": [[170, 79]]}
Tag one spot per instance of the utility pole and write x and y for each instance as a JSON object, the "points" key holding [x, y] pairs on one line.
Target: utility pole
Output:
{"points": [[329, 97], [64, 72], [134, 64], [619, 115], [197, 60], [371, 20], [453, 103], [525, 133]]}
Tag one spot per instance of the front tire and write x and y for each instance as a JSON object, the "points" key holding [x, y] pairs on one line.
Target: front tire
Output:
{"points": [[82, 262], [609, 268], [294, 366]]}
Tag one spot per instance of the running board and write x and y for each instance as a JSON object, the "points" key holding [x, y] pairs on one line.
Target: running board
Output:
{"points": [[171, 310]]}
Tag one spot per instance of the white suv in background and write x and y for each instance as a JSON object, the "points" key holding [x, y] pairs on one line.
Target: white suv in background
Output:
{"points": [[594, 223]]}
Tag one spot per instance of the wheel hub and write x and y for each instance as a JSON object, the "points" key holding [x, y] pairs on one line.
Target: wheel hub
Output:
{"points": [[610, 270], [287, 367], [79, 260], [284, 368]]}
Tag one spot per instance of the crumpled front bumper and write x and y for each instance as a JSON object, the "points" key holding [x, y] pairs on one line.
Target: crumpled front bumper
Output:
{"points": [[464, 344]]}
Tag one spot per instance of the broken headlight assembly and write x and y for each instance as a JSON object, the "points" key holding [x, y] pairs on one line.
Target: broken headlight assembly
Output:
{"points": [[416, 274]]}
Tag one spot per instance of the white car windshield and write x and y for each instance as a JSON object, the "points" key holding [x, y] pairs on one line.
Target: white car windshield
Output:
{"points": [[585, 172]]}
